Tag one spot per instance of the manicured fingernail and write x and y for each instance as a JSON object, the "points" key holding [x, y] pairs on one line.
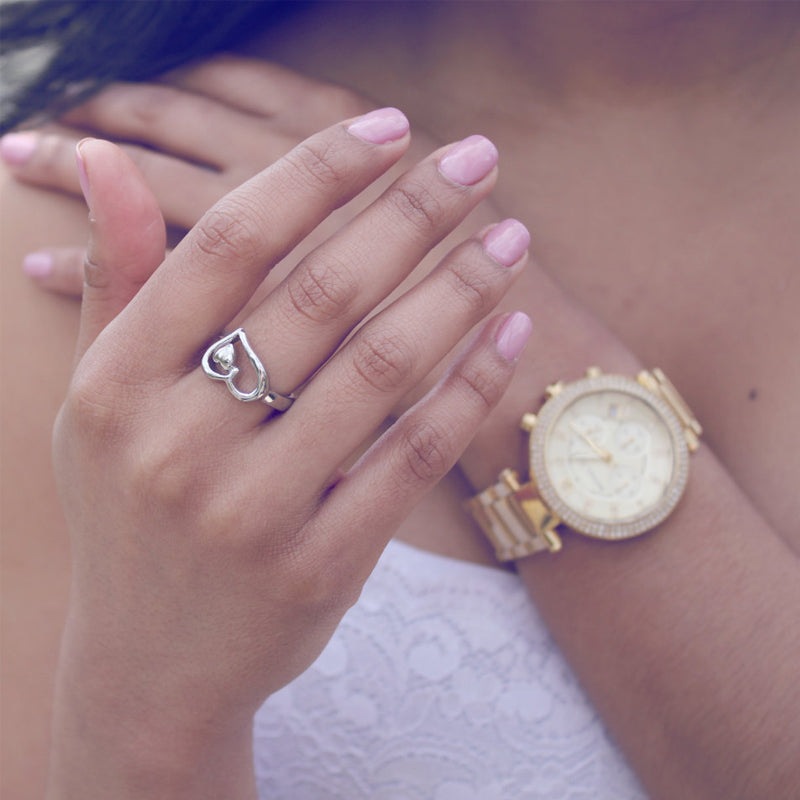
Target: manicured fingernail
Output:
{"points": [[37, 265], [507, 241], [513, 334], [469, 161], [17, 148], [83, 177], [381, 126]]}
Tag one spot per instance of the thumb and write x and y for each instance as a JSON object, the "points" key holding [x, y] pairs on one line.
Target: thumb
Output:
{"points": [[127, 238]]}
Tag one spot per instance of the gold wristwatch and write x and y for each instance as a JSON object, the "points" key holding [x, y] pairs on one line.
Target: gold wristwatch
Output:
{"points": [[608, 458]]}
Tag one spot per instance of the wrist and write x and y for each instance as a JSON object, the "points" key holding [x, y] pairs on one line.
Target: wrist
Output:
{"points": [[113, 741]]}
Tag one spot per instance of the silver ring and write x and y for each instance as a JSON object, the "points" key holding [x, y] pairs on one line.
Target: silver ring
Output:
{"points": [[223, 355]]}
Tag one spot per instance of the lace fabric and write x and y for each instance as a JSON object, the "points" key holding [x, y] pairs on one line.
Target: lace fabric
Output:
{"points": [[441, 683]]}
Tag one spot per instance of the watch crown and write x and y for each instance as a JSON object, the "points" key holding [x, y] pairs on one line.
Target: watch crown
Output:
{"points": [[554, 388], [528, 421]]}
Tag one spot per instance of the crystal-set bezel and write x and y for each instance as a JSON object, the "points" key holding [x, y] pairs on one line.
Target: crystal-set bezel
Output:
{"points": [[631, 526]]}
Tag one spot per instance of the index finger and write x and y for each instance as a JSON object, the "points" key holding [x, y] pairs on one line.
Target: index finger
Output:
{"points": [[216, 268]]}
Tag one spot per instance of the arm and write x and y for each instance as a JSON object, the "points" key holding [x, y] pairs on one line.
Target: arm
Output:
{"points": [[687, 639], [718, 535]]}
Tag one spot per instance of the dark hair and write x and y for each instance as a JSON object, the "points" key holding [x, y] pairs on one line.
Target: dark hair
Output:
{"points": [[56, 53]]}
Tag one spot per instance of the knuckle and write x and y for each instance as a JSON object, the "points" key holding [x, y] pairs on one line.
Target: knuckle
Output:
{"points": [[481, 385], [427, 453], [418, 206], [322, 290], [90, 411], [218, 522], [144, 162], [320, 587], [53, 154], [96, 405], [223, 64], [147, 105], [160, 470], [317, 164], [94, 275], [470, 285], [226, 232], [382, 359]]}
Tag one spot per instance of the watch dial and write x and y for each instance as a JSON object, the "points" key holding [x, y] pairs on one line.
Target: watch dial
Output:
{"points": [[610, 462]]}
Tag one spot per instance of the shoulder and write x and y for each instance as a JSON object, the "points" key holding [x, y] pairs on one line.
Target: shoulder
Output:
{"points": [[39, 333]]}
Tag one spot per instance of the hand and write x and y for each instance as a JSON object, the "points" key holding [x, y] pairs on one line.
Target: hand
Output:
{"points": [[215, 549], [195, 135]]}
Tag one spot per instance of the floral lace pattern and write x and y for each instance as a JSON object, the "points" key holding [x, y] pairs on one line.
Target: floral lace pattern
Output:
{"points": [[441, 683]]}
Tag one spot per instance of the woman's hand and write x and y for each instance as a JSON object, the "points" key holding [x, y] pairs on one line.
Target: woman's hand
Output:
{"points": [[195, 135], [215, 546]]}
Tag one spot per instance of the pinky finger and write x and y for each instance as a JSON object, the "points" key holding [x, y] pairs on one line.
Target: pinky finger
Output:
{"points": [[57, 269], [381, 489]]}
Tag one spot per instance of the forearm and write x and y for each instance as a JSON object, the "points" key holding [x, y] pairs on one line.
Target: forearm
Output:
{"points": [[686, 639], [688, 643]]}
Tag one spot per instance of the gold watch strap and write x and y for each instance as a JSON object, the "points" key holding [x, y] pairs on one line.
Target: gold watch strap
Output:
{"points": [[661, 386], [514, 518]]}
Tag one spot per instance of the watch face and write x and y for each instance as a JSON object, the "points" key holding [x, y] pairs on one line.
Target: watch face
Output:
{"points": [[609, 457]]}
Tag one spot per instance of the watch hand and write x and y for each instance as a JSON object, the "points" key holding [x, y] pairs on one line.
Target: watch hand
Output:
{"points": [[604, 454]]}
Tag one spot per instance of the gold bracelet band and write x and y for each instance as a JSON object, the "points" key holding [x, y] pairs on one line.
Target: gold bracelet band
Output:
{"points": [[514, 518]]}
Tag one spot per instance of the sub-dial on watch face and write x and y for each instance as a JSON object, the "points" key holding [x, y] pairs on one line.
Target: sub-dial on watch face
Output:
{"points": [[611, 463]]}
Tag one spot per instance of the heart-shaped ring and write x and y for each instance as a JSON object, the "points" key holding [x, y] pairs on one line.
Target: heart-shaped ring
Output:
{"points": [[219, 363]]}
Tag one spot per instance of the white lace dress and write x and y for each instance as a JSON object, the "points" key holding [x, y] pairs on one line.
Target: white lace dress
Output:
{"points": [[441, 683]]}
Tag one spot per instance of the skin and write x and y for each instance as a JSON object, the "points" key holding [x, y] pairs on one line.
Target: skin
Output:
{"points": [[727, 561]]}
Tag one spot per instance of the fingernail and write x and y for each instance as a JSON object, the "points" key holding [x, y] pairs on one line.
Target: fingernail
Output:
{"points": [[469, 161], [37, 265], [513, 334], [83, 177], [17, 148], [507, 241], [381, 126]]}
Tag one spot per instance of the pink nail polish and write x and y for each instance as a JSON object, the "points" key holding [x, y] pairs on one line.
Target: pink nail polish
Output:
{"points": [[83, 176], [37, 265], [469, 161], [381, 126], [513, 334], [17, 148], [507, 241]]}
